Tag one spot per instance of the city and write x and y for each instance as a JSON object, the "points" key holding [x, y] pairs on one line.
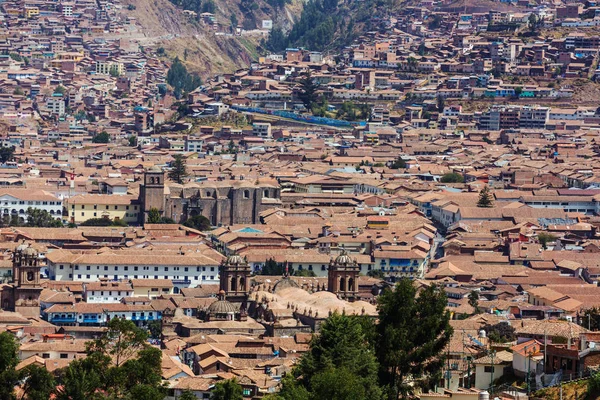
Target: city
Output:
{"points": [[297, 200]]}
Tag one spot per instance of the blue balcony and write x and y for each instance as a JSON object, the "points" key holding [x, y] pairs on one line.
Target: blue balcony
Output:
{"points": [[91, 321], [65, 320]]}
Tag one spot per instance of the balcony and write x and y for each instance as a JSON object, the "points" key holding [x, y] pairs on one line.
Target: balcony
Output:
{"points": [[91, 321], [61, 320]]}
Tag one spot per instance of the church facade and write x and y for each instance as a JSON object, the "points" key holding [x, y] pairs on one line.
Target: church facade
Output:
{"points": [[222, 202]]}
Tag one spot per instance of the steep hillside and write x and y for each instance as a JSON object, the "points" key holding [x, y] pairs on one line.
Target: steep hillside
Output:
{"points": [[162, 24], [331, 24]]}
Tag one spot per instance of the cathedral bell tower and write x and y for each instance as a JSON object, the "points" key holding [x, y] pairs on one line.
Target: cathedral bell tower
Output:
{"points": [[152, 192], [342, 277], [235, 279], [26, 286]]}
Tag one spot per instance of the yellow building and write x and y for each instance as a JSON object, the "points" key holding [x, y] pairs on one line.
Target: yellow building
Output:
{"points": [[31, 12], [113, 207], [106, 67]]}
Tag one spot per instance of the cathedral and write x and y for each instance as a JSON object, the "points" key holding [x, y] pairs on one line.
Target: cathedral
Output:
{"points": [[222, 202]]}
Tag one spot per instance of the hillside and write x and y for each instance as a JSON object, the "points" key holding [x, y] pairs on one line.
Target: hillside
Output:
{"points": [[162, 24]]}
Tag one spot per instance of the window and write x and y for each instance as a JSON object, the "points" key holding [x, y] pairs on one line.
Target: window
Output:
{"points": [[247, 392], [246, 194], [488, 369], [45, 355]]}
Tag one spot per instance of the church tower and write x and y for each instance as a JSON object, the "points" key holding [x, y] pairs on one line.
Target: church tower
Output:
{"points": [[235, 279], [26, 286], [342, 277], [152, 192]]}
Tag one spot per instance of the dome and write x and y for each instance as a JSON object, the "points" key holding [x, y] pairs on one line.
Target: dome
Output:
{"points": [[155, 168], [285, 283], [222, 307], [236, 259], [30, 252], [344, 259], [21, 247]]}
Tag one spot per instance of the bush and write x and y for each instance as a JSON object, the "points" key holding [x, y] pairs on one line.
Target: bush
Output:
{"points": [[452, 177]]}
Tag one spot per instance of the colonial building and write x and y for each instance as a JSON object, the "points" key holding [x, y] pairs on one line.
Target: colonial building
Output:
{"points": [[222, 202]]}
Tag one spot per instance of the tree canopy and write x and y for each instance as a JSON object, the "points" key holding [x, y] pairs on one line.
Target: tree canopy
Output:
{"points": [[41, 219], [340, 364], [198, 222], [410, 354], [452, 177], [102, 137], [7, 154], [228, 389], [180, 79], [178, 170], [486, 199], [308, 90]]}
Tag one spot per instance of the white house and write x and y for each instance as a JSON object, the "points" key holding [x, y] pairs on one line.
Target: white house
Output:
{"points": [[491, 367], [106, 291], [15, 202]]}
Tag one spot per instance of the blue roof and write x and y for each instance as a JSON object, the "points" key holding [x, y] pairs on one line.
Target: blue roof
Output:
{"points": [[249, 230]]}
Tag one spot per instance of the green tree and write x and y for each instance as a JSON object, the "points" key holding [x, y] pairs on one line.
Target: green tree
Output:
{"points": [[154, 216], [593, 386], [532, 22], [132, 141], [273, 268], [228, 389], [38, 383], [308, 90], [342, 351], [187, 395], [8, 361], [376, 273], [82, 379], [544, 238], [474, 300], [591, 318], [452, 177], [441, 103], [122, 340], [41, 219], [180, 79], [198, 222], [155, 329], [500, 332], [485, 198], [518, 91], [399, 163], [103, 222], [178, 169], [18, 91], [305, 272], [102, 137], [7, 154], [60, 90], [411, 355]]}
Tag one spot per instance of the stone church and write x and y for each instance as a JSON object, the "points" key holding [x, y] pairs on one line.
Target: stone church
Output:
{"points": [[222, 202], [23, 296]]}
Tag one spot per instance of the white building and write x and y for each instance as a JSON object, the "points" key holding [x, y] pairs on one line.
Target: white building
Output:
{"points": [[56, 105], [490, 368], [261, 129], [106, 291], [15, 202], [184, 270]]}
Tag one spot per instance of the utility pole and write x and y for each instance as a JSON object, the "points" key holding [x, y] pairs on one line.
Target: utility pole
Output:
{"points": [[492, 354]]}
